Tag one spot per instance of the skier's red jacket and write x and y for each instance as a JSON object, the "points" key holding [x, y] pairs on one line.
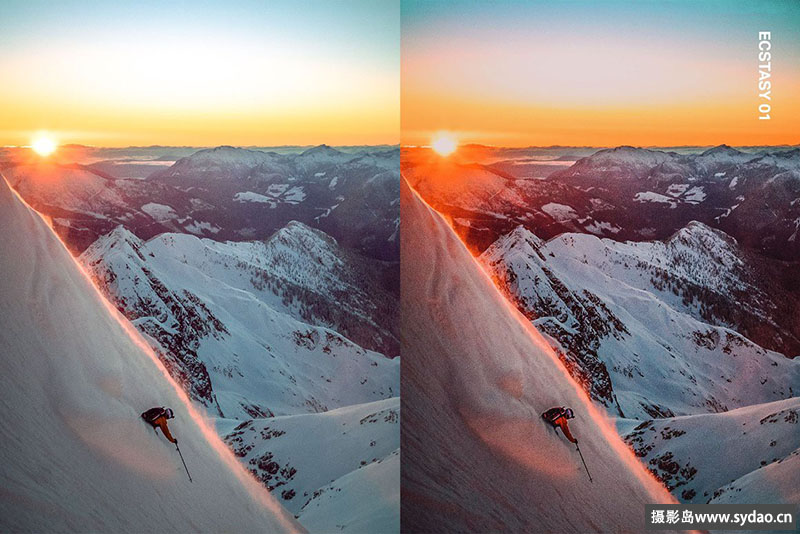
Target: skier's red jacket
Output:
{"points": [[562, 423], [162, 424]]}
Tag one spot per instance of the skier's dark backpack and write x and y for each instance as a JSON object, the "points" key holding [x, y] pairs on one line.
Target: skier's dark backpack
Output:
{"points": [[154, 413], [553, 414]]}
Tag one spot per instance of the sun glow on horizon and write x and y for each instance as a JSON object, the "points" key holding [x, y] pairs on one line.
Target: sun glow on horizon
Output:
{"points": [[538, 73], [444, 143], [43, 144], [243, 73]]}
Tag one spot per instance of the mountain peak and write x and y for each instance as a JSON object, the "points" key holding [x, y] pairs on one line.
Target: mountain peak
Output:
{"points": [[120, 233], [520, 233], [703, 236], [721, 150], [321, 150], [521, 239], [120, 238], [295, 231], [628, 156], [228, 154]]}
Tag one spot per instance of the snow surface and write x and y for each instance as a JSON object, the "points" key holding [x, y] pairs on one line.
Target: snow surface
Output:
{"points": [[279, 193], [201, 227], [159, 212], [294, 195], [349, 503], [346, 478], [560, 212], [277, 189], [676, 190], [695, 195], [74, 378], [764, 436], [249, 196], [602, 227], [476, 375], [775, 483], [650, 196]]}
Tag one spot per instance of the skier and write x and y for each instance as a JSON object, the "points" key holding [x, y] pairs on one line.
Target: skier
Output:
{"points": [[558, 418], [157, 417]]}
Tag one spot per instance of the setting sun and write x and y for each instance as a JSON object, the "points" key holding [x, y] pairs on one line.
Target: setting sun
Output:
{"points": [[444, 144], [43, 145]]}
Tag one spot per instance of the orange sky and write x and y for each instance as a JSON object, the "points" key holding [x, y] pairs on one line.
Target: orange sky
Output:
{"points": [[181, 73], [581, 73]]}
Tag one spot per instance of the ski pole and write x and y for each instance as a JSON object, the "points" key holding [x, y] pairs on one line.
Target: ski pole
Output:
{"points": [[584, 462], [184, 462]]}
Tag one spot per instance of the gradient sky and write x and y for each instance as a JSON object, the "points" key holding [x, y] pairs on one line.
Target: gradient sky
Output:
{"points": [[519, 73], [200, 73]]}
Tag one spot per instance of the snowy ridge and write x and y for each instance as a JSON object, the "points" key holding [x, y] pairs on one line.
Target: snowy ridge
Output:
{"points": [[230, 319], [476, 376], [619, 157], [632, 321], [74, 379]]}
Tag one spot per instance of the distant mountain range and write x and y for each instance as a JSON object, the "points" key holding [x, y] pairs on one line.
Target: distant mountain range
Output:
{"points": [[226, 193], [629, 194]]}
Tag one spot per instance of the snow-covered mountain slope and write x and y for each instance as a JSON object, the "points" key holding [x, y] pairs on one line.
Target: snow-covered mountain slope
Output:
{"points": [[683, 452], [235, 321], [68, 188], [365, 500], [632, 321], [774, 483], [298, 270], [476, 375], [74, 377], [309, 474]]}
